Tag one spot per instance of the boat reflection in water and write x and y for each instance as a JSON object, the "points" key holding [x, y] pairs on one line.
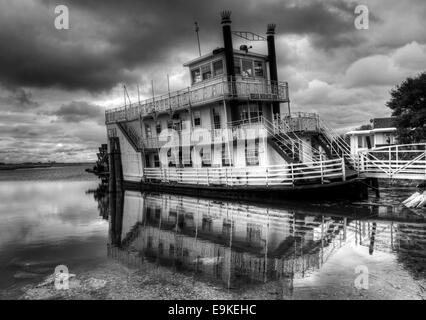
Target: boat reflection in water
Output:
{"points": [[241, 245]]}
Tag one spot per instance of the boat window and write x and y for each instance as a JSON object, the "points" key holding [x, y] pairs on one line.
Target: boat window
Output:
{"points": [[158, 127], [148, 131], [196, 75], [226, 160], [258, 69], [247, 68], [207, 224], [205, 154], [237, 66], [206, 71], [218, 67], [254, 234], [156, 160], [216, 119], [197, 118], [252, 154], [359, 141]]}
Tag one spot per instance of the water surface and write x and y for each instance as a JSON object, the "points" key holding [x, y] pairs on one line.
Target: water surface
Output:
{"points": [[53, 216]]}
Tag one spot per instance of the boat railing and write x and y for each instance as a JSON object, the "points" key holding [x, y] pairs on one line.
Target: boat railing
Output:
{"points": [[222, 88], [283, 175]]}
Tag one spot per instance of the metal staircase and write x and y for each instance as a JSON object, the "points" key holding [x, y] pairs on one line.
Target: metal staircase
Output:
{"points": [[132, 136], [288, 144]]}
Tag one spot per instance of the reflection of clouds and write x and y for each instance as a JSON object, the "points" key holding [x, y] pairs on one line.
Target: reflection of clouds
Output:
{"points": [[40, 211]]}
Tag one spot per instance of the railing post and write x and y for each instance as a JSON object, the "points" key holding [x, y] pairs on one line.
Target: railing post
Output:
{"points": [[343, 170], [322, 170], [207, 173], [292, 174], [267, 177]]}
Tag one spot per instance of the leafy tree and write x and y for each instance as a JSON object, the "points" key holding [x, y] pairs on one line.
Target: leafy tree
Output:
{"points": [[408, 104]]}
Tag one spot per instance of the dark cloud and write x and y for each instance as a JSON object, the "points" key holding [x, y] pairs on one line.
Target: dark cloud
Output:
{"points": [[18, 99], [109, 40], [78, 111]]}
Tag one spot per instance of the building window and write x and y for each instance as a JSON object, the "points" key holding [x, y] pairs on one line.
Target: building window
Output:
{"points": [[148, 132], [158, 127], [237, 66], [169, 124], [218, 67], [206, 71], [258, 69], [197, 118], [247, 68], [196, 75], [252, 154], [147, 162]]}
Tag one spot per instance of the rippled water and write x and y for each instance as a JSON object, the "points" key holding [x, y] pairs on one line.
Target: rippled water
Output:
{"points": [[55, 216]]}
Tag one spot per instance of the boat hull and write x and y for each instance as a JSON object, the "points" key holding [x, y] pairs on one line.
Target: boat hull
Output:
{"points": [[354, 189]]}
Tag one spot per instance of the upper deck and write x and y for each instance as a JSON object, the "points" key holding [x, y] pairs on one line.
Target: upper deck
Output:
{"points": [[217, 89]]}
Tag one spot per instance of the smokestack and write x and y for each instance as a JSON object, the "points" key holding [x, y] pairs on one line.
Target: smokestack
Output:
{"points": [[227, 41], [273, 72]]}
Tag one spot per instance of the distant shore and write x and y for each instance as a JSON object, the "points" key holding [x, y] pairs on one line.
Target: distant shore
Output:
{"points": [[17, 166]]}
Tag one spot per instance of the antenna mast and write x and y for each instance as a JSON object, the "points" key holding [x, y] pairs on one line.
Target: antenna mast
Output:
{"points": [[197, 28]]}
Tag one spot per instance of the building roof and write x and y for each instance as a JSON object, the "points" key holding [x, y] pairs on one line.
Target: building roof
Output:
{"points": [[383, 122], [219, 51], [368, 132]]}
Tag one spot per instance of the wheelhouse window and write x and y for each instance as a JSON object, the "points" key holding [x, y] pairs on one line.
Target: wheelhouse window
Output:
{"points": [[258, 69], [360, 145], [247, 68], [196, 75], [197, 118], [237, 66], [206, 71], [218, 67]]}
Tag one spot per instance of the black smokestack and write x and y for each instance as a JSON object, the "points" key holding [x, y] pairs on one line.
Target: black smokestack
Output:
{"points": [[273, 72], [227, 41]]}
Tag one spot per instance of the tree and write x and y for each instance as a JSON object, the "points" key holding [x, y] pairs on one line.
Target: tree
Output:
{"points": [[408, 104]]}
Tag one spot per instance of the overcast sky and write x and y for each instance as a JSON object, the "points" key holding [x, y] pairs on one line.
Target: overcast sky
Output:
{"points": [[56, 84]]}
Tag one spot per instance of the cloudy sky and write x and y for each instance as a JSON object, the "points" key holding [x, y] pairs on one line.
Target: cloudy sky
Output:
{"points": [[56, 84]]}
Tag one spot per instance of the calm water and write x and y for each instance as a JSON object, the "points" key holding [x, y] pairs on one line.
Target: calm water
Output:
{"points": [[60, 216], [47, 218]]}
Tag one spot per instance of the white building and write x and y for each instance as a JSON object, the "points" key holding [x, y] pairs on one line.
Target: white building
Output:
{"points": [[383, 133]]}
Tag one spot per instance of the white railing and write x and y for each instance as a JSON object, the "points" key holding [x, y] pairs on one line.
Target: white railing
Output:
{"points": [[406, 161], [217, 89], [284, 175], [298, 122]]}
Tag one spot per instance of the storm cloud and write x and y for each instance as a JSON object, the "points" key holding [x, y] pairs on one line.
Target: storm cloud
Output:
{"points": [[108, 40], [55, 84]]}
